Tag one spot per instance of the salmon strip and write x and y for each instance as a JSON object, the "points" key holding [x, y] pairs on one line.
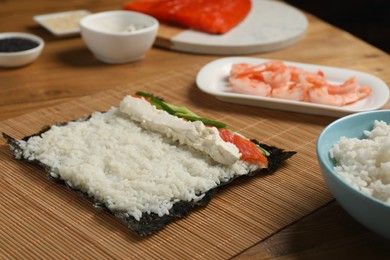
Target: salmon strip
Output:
{"points": [[211, 16], [249, 151]]}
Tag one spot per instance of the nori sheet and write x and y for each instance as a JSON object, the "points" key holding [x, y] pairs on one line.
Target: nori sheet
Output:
{"points": [[151, 223]]}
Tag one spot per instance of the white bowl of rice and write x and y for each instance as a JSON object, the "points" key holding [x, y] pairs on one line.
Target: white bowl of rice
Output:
{"points": [[354, 155]]}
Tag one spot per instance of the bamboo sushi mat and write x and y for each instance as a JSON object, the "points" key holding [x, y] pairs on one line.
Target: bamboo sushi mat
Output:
{"points": [[42, 219]]}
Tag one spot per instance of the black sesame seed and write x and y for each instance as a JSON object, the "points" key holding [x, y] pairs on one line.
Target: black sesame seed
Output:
{"points": [[15, 44]]}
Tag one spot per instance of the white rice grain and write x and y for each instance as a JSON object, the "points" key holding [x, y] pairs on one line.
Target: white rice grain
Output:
{"points": [[127, 167], [365, 163]]}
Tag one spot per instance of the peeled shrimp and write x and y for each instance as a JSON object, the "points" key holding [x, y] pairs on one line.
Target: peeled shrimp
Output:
{"points": [[276, 79], [249, 86], [291, 92], [338, 95]]}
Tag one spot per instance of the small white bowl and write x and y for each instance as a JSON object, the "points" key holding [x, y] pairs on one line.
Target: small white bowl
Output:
{"points": [[20, 58], [108, 37], [369, 211]]}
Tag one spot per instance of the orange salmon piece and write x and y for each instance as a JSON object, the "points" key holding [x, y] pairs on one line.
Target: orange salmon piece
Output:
{"points": [[211, 16], [249, 150]]}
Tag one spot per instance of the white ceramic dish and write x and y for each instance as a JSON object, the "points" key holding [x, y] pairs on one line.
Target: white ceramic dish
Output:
{"points": [[212, 79], [119, 36], [21, 58], [269, 26], [63, 23]]}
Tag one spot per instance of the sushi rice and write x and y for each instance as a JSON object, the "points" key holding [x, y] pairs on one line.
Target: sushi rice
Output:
{"points": [[126, 166], [365, 163]]}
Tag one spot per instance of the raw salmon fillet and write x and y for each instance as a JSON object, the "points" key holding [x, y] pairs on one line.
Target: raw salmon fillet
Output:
{"points": [[249, 151], [211, 16]]}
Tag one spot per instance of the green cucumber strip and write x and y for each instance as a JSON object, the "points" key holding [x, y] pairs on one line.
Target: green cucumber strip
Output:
{"points": [[143, 94], [204, 120], [181, 112], [163, 105], [263, 151]]}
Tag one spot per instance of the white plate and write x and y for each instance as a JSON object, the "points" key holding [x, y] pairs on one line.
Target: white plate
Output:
{"points": [[63, 23], [269, 26], [212, 79]]}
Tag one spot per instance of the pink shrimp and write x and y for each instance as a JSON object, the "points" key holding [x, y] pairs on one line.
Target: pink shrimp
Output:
{"points": [[249, 86], [292, 92], [244, 70], [274, 73], [320, 95], [238, 68], [326, 94], [278, 80]]}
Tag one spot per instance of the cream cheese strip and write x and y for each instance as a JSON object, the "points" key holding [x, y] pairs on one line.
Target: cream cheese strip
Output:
{"points": [[194, 134]]}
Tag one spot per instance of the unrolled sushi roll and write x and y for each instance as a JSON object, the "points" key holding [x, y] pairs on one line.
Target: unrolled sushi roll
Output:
{"points": [[146, 161]]}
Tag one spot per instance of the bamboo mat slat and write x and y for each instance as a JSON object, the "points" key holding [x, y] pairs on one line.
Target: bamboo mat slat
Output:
{"points": [[42, 219]]}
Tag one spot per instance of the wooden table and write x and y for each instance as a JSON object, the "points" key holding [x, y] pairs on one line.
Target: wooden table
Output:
{"points": [[67, 70]]}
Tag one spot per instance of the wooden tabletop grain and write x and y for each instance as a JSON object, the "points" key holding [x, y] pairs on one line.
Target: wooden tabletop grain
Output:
{"points": [[67, 70]]}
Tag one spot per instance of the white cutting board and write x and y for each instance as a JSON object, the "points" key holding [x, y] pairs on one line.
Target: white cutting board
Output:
{"points": [[269, 26]]}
